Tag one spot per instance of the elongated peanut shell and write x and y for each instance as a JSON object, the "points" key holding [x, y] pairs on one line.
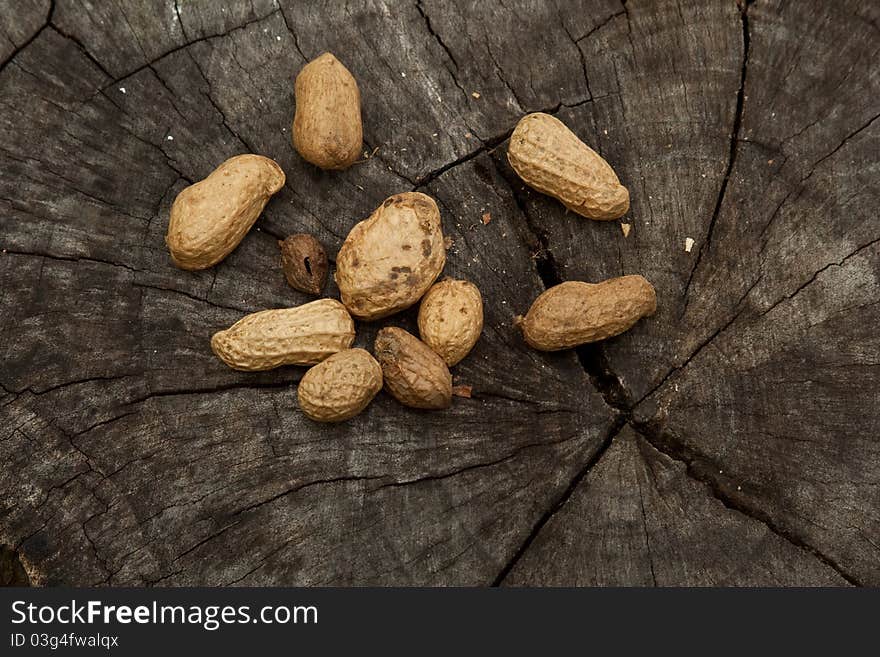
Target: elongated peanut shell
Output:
{"points": [[414, 375], [340, 387], [327, 129], [574, 313], [451, 319], [550, 158], [209, 219], [389, 260], [304, 335]]}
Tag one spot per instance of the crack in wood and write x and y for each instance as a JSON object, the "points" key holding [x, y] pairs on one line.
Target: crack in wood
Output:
{"points": [[617, 424], [30, 39], [292, 34], [260, 563], [134, 33], [798, 189], [487, 145], [809, 281], [12, 570], [452, 73], [194, 297], [38, 392], [700, 468], [629, 37], [363, 478], [239, 385], [475, 466], [646, 532], [736, 315], [185, 46], [208, 94], [169, 162], [135, 270], [576, 44], [500, 74], [180, 20], [61, 258], [731, 159], [102, 562], [73, 185], [102, 423], [843, 143], [171, 95], [79, 44], [445, 48], [687, 360], [599, 26]]}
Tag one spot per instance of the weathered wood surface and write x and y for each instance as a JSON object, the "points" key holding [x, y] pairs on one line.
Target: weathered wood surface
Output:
{"points": [[733, 438]]}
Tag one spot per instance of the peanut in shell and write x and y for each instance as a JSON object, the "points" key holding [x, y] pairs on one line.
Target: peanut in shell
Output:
{"points": [[209, 218], [413, 374], [389, 260], [550, 158], [327, 129], [340, 387], [304, 335], [575, 313], [304, 262], [451, 319]]}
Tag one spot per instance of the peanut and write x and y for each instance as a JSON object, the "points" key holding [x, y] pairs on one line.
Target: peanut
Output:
{"points": [[451, 319], [413, 373], [549, 157], [340, 387], [574, 313], [210, 218], [327, 128], [389, 260], [304, 335], [304, 263]]}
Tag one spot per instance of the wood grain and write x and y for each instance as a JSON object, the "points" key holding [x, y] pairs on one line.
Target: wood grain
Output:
{"points": [[730, 439]]}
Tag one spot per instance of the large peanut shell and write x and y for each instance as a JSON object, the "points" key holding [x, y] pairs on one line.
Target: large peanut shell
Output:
{"points": [[451, 319], [550, 158], [209, 218], [414, 375], [304, 335], [327, 129], [340, 387], [574, 313], [389, 260]]}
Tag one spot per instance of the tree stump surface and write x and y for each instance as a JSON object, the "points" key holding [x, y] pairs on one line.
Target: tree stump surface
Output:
{"points": [[731, 439]]}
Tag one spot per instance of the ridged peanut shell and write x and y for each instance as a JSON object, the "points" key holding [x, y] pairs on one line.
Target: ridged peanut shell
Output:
{"points": [[210, 218], [389, 260], [327, 129], [550, 158], [451, 319], [574, 313], [414, 375], [340, 387], [304, 335]]}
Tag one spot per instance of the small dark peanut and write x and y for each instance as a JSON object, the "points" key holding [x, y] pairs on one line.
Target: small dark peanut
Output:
{"points": [[304, 262]]}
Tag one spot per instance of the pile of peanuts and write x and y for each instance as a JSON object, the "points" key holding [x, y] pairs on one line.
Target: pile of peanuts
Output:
{"points": [[391, 261]]}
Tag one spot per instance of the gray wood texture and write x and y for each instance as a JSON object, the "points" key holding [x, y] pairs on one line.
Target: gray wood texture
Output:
{"points": [[731, 439]]}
